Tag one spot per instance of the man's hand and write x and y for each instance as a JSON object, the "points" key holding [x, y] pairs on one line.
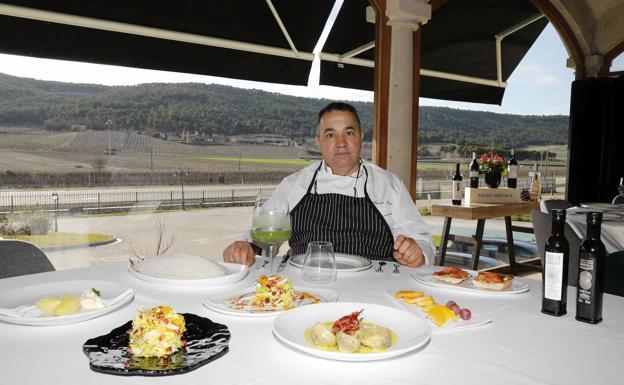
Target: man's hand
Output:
{"points": [[240, 252], [407, 252]]}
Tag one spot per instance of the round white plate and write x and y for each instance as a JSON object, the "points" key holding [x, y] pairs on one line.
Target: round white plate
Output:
{"points": [[28, 295], [237, 273], [424, 276], [344, 262], [411, 330], [219, 303]]}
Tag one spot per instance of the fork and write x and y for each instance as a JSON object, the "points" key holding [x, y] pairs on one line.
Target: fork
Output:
{"points": [[379, 269], [396, 268]]}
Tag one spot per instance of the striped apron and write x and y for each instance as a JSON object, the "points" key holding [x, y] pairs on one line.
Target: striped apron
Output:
{"points": [[353, 225]]}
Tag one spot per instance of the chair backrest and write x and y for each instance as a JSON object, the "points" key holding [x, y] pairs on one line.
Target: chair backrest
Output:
{"points": [[21, 258], [553, 204], [542, 226]]}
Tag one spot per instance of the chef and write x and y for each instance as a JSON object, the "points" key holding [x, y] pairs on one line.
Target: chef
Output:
{"points": [[361, 208]]}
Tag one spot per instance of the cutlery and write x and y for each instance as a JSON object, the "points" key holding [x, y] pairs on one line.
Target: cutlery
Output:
{"points": [[396, 268], [20, 311], [379, 269], [282, 264]]}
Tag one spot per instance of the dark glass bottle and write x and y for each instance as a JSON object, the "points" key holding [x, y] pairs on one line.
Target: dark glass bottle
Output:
{"points": [[555, 276], [457, 186], [592, 256], [512, 175], [474, 171]]}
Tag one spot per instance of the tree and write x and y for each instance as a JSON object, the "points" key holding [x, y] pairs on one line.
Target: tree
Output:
{"points": [[99, 163]]}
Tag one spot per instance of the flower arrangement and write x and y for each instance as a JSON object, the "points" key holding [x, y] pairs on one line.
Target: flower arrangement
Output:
{"points": [[491, 162]]}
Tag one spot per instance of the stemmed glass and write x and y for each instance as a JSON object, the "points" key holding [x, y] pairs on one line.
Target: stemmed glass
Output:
{"points": [[270, 226], [620, 198]]}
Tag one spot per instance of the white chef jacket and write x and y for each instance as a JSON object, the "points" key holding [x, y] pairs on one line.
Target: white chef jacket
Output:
{"points": [[385, 189]]}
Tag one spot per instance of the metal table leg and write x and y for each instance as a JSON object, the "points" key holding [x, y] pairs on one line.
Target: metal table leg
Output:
{"points": [[445, 235], [510, 244], [478, 241]]}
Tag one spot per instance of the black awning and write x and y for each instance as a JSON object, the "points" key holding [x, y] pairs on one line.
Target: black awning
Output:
{"points": [[248, 21], [459, 39]]}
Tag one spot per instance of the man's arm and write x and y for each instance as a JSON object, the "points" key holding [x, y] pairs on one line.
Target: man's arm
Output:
{"points": [[412, 234]]}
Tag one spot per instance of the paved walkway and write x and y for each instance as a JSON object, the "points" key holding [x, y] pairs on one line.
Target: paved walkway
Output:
{"points": [[202, 231]]}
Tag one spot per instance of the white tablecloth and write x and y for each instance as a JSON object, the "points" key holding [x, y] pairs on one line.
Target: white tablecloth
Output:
{"points": [[612, 229], [521, 346]]}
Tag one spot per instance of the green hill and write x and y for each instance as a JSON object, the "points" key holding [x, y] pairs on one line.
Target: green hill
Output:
{"points": [[217, 109]]}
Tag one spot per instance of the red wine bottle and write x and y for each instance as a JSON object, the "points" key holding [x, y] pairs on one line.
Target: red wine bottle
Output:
{"points": [[474, 171], [457, 186], [512, 175], [592, 257], [555, 275]]}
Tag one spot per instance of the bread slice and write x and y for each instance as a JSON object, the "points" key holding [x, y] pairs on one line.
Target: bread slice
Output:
{"points": [[449, 279], [493, 281], [452, 275]]}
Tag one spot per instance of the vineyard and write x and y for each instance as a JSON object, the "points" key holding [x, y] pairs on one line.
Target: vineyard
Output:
{"points": [[132, 143]]}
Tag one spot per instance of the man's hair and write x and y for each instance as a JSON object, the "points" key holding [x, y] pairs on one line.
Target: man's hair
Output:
{"points": [[340, 106]]}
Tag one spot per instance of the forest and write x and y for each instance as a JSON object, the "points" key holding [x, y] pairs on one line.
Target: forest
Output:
{"points": [[217, 109]]}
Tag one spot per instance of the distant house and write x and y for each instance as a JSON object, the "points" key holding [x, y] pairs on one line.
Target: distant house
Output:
{"points": [[270, 139], [78, 127]]}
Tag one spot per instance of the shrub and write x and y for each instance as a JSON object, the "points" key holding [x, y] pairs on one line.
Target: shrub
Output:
{"points": [[26, 223]]}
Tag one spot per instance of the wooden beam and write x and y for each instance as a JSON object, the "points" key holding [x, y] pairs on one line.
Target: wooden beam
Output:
{"points": [[417, 35], [566, 34]]}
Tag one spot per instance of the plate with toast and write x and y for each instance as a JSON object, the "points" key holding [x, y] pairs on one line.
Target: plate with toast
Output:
{"points": [[483, 282]]}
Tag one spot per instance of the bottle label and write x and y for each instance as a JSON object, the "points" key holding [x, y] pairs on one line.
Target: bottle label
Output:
{"points": [[513, 171], [457, 190], [553, 275], [587, 272], [474, 174]]}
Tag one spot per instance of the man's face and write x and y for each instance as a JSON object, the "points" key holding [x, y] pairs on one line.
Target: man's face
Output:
{"points": [[340, 141]]}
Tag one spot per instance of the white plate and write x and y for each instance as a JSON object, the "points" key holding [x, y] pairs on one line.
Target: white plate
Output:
{"points": [[411, 330], [30, 294], [344, 262], [219, 303], [237, 273], [424, 276], [452, 326]]}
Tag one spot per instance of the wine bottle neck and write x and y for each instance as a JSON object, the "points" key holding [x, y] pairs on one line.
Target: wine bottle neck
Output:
{"points": [[557, 226], [593, 231]]}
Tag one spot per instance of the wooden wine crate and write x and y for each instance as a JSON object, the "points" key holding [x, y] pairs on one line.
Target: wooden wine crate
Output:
{"points": [[491, 195]]}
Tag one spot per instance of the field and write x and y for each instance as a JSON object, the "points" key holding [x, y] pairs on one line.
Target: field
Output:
{"points": [[34, 151]]}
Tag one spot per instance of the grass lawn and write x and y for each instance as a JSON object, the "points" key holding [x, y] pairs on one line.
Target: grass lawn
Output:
{"points": [[62, 239]]}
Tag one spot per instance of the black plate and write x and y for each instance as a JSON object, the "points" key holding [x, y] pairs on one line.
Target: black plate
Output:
{"points": [[205, 341]]}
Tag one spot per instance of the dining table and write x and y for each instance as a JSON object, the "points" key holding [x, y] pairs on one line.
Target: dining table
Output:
{"points": [[520, 346], [612, 228]]}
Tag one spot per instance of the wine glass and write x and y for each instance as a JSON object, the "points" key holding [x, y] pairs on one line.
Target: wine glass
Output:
{"points": [[270, 226], [620, 198], [319, 265]]}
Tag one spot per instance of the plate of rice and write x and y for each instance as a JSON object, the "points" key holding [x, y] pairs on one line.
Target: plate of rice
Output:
{"points": [[186, 270]]}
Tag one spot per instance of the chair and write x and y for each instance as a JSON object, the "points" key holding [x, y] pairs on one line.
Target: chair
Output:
{"points": [[553, 204], [614, 272], [542, 226], [21, 258]]}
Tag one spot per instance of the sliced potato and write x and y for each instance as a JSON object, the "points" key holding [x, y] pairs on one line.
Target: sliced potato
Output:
{"points": [[47, 305], [70, 304]]}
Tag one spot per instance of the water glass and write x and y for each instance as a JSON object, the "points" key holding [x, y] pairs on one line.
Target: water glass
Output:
{"points": [[319, 265]]}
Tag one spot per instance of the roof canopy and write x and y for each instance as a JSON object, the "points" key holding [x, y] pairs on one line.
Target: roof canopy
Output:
{"points": [[459, 59]]}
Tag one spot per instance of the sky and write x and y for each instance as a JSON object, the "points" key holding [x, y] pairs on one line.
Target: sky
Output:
{"points": [[540, 85]]}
